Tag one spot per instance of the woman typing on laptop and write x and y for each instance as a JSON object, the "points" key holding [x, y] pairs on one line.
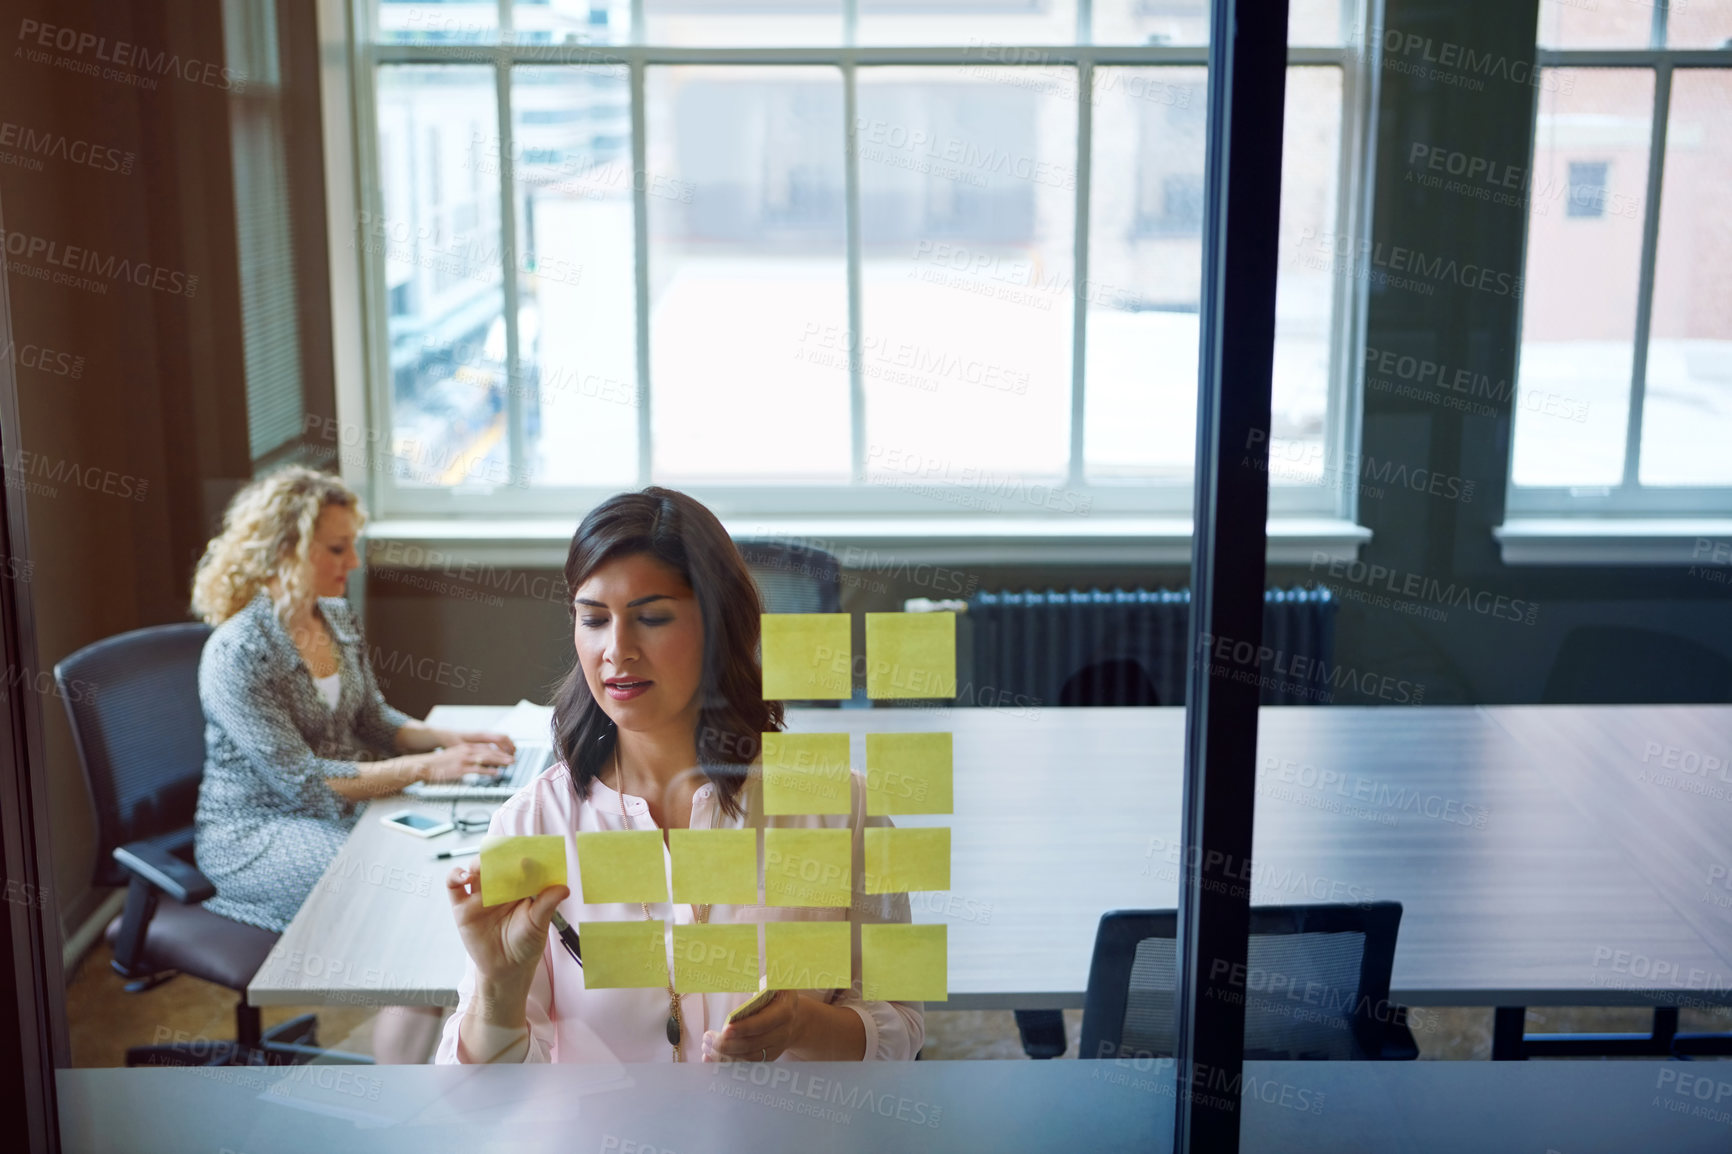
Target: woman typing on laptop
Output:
{"points": [[656, 727], [297, 734]]}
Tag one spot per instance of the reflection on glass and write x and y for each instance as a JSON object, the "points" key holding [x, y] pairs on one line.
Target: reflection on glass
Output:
{"points": [[1586, 192], [1304, 293], [1139, 22], [1585, 24], [533, 22], [1699, 24], [571, 21], [1309, 22], [436, 238], [1322, 21], [1145, 272], [748, 293], [967, 193], [577, 337], [1687, 405], [421, 22], [977, 24], [1146, 263], [714, 23]]}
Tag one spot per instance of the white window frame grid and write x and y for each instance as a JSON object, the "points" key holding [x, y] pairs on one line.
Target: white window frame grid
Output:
{"points": [[365, 351], [1629, 497]]}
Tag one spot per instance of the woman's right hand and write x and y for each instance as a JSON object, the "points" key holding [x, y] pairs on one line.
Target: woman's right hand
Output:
{"points": [[505, 941], [452, 762]]}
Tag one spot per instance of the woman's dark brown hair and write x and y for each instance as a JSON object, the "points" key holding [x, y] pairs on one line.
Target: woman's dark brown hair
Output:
{"points": [[732, 713]]}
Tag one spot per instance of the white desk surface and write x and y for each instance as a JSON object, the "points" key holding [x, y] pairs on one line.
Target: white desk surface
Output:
{"points": [[1517, 890], [866, 1108]]}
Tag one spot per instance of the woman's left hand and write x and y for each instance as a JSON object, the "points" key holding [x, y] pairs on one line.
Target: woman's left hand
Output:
{"points": [[763, 1037], [505, 744]]}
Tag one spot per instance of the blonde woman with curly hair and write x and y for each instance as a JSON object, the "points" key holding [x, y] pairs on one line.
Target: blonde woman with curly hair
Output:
{"points": [[297, 734]]}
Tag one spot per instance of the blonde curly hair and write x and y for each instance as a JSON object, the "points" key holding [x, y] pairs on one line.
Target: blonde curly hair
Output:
{"points": [[267, 532]]}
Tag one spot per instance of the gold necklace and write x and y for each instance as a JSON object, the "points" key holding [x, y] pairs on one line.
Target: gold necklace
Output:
{"points": [[700, 914]]}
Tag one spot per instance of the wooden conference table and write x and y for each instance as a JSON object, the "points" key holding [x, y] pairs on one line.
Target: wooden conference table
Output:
{"points": [[1535, 863]]}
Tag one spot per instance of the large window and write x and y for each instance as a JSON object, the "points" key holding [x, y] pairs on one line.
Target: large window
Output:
{"points": [[822, 257], [1625, 377]]}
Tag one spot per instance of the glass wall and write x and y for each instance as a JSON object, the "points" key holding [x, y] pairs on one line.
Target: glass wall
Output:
{"points": [[913, 297], [1527, 761]]}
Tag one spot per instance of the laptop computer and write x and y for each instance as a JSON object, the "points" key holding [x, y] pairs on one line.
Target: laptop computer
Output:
{"points": [[532, 758]]}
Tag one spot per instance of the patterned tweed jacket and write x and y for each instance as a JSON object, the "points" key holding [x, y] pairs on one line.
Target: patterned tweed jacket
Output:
{"points": [[268, 823]]}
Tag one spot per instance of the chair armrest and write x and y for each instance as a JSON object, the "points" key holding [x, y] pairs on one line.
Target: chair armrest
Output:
{"points": [[153, 863]]}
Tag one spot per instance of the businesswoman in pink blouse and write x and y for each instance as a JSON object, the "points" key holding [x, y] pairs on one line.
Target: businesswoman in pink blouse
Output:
{"points": [[657, 725]]}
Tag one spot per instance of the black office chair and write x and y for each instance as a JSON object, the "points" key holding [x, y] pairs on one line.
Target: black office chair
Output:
{"points": [[1316, 985], [793, 578], [139, 730]]}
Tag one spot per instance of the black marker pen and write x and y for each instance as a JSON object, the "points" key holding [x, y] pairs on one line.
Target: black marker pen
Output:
{"points": [[568, 937]]}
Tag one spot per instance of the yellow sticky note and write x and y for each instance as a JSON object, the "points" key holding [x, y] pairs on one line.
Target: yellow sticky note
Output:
{"points": [[621, 866], [901, 963], [623, 955], [808, 867], [808, 955], [807, 773], [716, 959], [910, 655], [520, 866], [900, 860], [715, 865], [909, 773], [807, 657]]}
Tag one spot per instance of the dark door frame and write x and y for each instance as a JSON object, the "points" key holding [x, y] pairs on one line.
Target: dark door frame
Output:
{"points": [[1242, 183], [33, 1035]]}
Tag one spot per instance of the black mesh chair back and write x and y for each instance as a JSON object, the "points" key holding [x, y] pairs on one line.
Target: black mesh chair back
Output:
{"points": [[794, 578], [1619, 664], [1316, 985], [139, 729]]}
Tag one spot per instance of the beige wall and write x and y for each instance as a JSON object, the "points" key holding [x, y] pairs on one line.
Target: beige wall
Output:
{"points": [[521, 646]]}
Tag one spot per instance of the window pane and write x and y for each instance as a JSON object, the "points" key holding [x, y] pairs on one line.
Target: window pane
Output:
{"points": [[1699, 24], [1145, 273], [748, 293], [572, 21], [1309, 22], [1596, 24], [438, 243], [1583, 264], [1314, 22], [968, 195], [577, 329], [967, 22], [694, 23], [1305, 294], [419, 22], [1687, 406], [1151, 21]]}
